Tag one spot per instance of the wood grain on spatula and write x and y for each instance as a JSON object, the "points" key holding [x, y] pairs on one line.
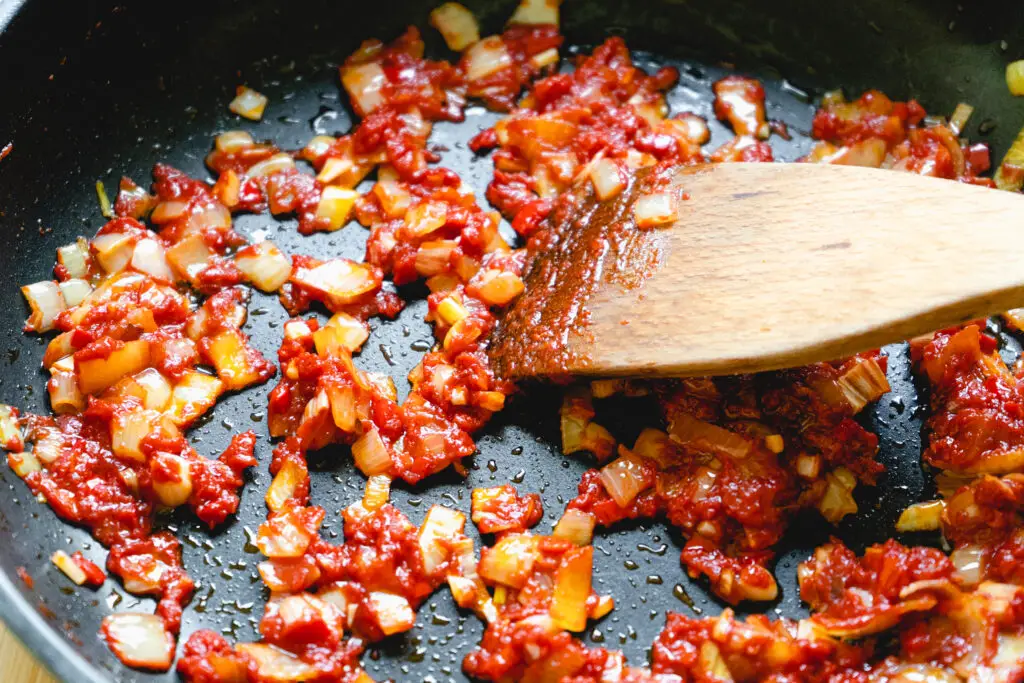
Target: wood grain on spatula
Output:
{"points": [[767, 266]]}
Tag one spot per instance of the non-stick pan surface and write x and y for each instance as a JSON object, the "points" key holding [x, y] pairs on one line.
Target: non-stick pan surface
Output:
{"points": [[90, 91]]}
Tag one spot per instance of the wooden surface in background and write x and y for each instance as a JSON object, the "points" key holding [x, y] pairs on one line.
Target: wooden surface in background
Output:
{"points": [[16, 664]]}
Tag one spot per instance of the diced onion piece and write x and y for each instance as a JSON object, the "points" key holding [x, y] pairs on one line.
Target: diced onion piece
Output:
{"points": [[451, 310], [441, 526], [925, 516], [46, 302], [233, 141], [393, 196], [343, 408], [336, 206], [193, 395], [837, 502], [498, 287], [434, 257], [230, 354], [127, 430], [371, 454], [343, 172], [653, 210], [156, 388], [65, 397], [139, 640], [711, 663], [1015, 77], [264, 265], [775, 443], [277, 666], [96, 374], [608, 178], [24, 463], [624, 479], [170, 210], [190, 256], [654, 444], [286, 482], [808, 466], [536, 12], [101, 195], [173, 486], [74, 291], [426, 217], [486, 57], [339, 281], [318, 146], [248, 103], [149, 258], [70, 568], [363, 83], [1010, 174], [342, 331], [576, 526], [863, 383], [457, 25], [393, 613], [510, 561], [689, 431], [572, 588], [378, 491], [113, 251], [488, 400], [545, 58], [969, 561], [275, 164], [75, 258], [961, 115]]}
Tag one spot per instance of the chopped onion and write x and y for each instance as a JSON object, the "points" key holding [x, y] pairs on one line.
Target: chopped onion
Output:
{"points": [[711, 663], [808, 466], [74, 291], [969, 562], [318, 146], [127, 430], [775, 443], [264, 265], [277, 666], [433, 258], [426, 217], [694, 433], [654, 210], [1015, 77], [1010, 174], [248, 103], [284, 535], [335, 206], [46, 302], [275, 164], [193, 395], [24, 463], [545, 58], [233, 141], [624, 479], [67, 565], [149, 258], [572, 589], [65, 397], [378, 491], [343, 172], [229, 353], [837, 501], [286, 482], [510, 561], [654, 444], [113, 251], [371, 454], [576, 526], [486, 57], [536, 12], [75, 258], [604, 605], [393, 612], [190, 256], [958, 121], [440, 527], [139, 640], [925, 516], [450, 310], [170, 491], [498, 287], [96, 374], [457, 25], [363, 83], [863, 383], [168, 211], [608, 178], [155, 387], [339, 281], [394, 198], [342, 331], [343, 408], [101, 194]]}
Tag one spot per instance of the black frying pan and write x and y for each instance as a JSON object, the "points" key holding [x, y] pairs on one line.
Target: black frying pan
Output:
{"points": [[94, 90]]}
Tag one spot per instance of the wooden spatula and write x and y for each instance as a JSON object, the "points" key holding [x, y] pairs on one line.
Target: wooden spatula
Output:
{"points": [[767, 266]]}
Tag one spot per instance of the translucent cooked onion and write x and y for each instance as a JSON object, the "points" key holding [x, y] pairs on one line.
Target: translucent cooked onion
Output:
{"points": [[155, 388], [277, 666], [139, 640], [837, 501], [924, 516], [149, 258], [378, 491], [608, 178], [75, 258], [364, 83], [499, 288], [63, 562], [286, 482], [46, 302], [336, 206], [1015, 77], [510, 560], [654, 210], [342, 331], [689, 431], [74, 291], [248, 103], [969, 561], [863, 383], [340, 281], [486, 57], [168, 211], [275, 164], [545, 58], [536, 12], [174, 490], [434, 257], [1010, 174], [264, 265], [393, 613], [456, 24], [576, 526], [190, 256], [572, 589], [233, 141], [371, 454], [624, 479], [440, 527], [425, 218], [65, 398], [96, 374], [962, 114]]}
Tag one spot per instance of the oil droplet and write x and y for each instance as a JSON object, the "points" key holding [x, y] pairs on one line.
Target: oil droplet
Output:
{"points": [[385, 351], [597, 636], [250, 541], [518, 450], [322, 120], [438, 620], [682, 596], [655, 580], [630, 565], [492, 465], [421, 345], [519, 476], [660, 550]]}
